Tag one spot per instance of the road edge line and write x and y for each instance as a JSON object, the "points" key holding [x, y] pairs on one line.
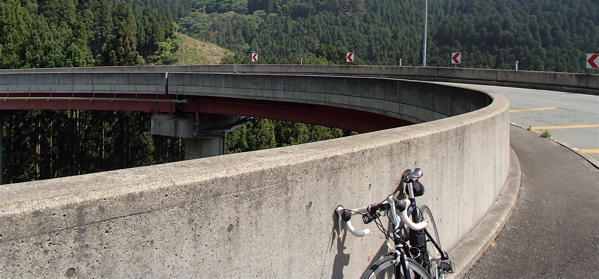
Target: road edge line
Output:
{"points": [[585, 156]]}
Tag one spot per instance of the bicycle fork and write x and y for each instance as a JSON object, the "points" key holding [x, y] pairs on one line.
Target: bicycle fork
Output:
{"points": [[401, 263]]}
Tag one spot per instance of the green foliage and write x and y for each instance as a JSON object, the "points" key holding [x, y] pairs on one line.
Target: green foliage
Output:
{"points": [[42, 49], [220, 6], [263, 136], [546, 134], [543, 35], [15, 22], [167, 52], [237, 140], [289, 133], [236, 58], [265, 5], [551, 35], [265, 133], [121, 47], [64, 143], [52, 33], [332, 54]]}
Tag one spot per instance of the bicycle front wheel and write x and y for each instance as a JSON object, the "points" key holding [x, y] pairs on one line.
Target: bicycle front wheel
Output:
{"points": [[385, 268], [434, 254]]}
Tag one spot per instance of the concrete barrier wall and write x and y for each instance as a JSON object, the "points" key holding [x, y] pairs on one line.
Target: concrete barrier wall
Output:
{"points": [[560, 81], [568, 82], [267, 213], [412, 101], [73, 82]]}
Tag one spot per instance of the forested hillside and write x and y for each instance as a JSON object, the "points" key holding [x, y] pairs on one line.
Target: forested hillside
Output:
{"points": [[544, 35], [71, 33]]}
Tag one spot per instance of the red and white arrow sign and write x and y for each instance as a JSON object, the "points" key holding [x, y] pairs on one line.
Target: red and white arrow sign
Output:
{"points": [[349, 57], [456, 58], [592, 61], [254, 57]]}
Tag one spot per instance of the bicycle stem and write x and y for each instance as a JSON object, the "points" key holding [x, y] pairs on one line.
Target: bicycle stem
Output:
{"points": [[411, 190], [396, 218]]}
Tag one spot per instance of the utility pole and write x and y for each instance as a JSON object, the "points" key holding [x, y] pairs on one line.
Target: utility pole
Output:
{"points": [[425, 32]]}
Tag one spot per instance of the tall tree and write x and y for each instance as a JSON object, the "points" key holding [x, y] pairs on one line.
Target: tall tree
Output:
{"points": [[266, 5], [264, 136], [42, 50], [121, 47], [62, 13], [15, 22], [78, 52]]}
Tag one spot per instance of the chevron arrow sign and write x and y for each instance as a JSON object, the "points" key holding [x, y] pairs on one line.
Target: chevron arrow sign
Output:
{"points": [[456, 58], [592, 61]]}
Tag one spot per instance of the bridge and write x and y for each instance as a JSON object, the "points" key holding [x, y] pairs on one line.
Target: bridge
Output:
{"points": [[270, 212]]}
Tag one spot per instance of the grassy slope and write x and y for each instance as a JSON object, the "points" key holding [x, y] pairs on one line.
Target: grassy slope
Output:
{"points": [[196, 52]]}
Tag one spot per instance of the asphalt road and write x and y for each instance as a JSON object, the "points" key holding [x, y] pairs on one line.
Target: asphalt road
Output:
{"points": [[554, 230], [569, 117]]}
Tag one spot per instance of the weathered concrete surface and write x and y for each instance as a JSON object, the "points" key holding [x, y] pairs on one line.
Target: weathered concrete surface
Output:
{"points": [[268, 213], [99, 83], [412, 101], [202, 147], [172, 125], [470, 249], [560, 81]]}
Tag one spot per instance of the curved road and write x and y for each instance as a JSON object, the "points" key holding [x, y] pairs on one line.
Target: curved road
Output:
{"points": [[570, 118], [553, 231]]}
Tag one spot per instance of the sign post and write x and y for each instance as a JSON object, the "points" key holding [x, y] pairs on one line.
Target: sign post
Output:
{"points": [[456, 58], [349, 57]]}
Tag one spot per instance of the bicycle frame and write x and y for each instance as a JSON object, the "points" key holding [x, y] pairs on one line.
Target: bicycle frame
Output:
{"points": [[418, 238], [400, 252], [401, 248], [399, 244], [409, 252], [432, 239]]}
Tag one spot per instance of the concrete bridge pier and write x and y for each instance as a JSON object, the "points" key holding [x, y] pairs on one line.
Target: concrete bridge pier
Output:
{"points": [[201, 147], [204, 133]]}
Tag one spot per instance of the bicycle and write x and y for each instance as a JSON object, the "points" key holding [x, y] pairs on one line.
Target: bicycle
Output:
{"points": [[416, 252]]}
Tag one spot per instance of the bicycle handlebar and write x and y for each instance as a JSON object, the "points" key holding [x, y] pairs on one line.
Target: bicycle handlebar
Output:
{"points": [[358, 233], [401, 205], [415, 226], [345, 215]]}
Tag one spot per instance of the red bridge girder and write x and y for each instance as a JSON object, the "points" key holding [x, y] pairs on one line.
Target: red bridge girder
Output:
{"points": [[344, 118]]}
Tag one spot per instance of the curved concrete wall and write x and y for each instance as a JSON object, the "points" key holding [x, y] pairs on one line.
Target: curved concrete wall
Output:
{"points": [[560, 81], [412, 101], [258, 214]]}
